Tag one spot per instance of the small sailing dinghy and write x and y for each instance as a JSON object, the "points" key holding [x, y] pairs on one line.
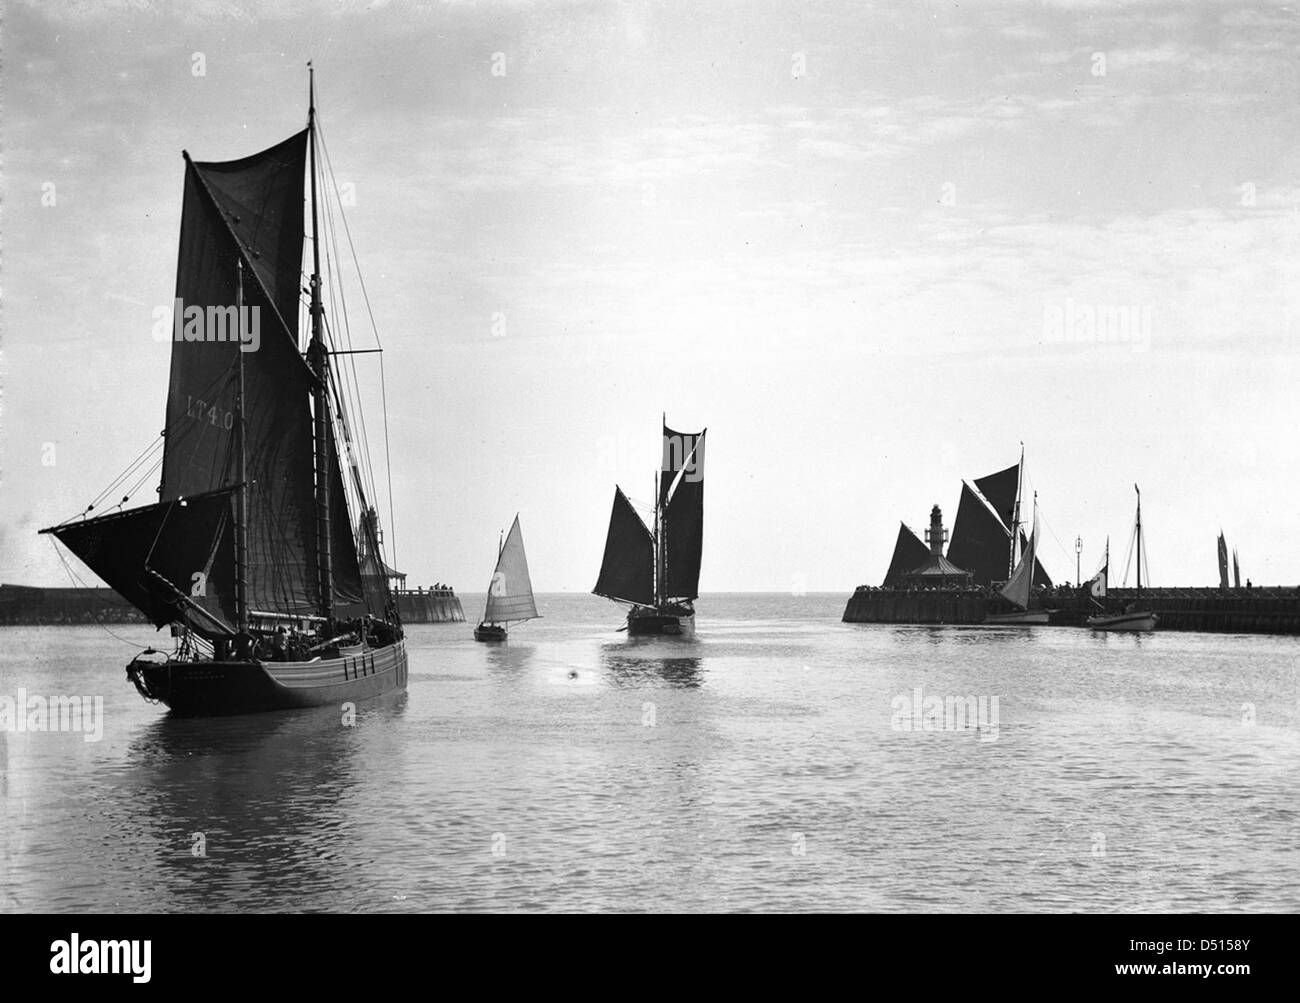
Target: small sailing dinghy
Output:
{"points": [[510, 596], [658, 573], [249, 554], [1019, 588], [1136, 617]]}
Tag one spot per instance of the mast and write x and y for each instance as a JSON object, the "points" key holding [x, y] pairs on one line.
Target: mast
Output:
{"points": [[325, 557], [1139, 536], [241, 471], [659, 548], [1015, 516]]}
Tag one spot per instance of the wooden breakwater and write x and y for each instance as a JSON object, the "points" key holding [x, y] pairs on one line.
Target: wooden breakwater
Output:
{"points": [[429, 606], [1263, 610]]}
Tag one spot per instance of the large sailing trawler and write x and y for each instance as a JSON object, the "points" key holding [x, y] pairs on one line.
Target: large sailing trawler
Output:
{"points": [[249, 554], [657, 572]]}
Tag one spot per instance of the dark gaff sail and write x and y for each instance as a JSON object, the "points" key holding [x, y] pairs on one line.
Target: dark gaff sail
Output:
{"points": [[250, 211], [979, 539], [909, 553], [1236, 568], [1223, 562], [1000, 490], [683, 526], [679, 454], [627, 571], [152, 556]]}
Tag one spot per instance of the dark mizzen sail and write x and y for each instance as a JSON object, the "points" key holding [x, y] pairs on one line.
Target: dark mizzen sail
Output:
{"points": [[148, 555], [909, 553], [627, 571], [683, 526]]}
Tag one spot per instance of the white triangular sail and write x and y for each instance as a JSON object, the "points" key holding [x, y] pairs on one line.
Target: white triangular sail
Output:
{"points": [[1017, 590], [1097, 584], [510, 596]]}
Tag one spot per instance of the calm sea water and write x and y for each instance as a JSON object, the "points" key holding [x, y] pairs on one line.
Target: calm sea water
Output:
{"points": [[762, 765]]}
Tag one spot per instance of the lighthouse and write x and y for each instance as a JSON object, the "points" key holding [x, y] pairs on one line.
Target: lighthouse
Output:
{"points": [[936, 536]]}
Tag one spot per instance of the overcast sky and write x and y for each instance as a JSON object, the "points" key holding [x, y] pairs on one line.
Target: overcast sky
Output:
{"points": [[860, 242]]}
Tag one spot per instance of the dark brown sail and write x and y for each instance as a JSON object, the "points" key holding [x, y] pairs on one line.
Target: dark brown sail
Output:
{"points": [[683, 527], [1000, 490], [627, 571], [980, 542], [246, 212], [678, 451], [152, 556], [909, 553]]}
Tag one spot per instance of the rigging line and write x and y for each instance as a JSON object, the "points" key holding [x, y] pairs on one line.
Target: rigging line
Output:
{"points": [[338, 309], [388, 465], [365, 296], [145, 476], [354, 387], [343, 389], [345, 432], [348, 233], [350, 390], [1128, 556], [78, 583], [1053, 532], [353, 390], [153, 445], [342, 428], [329, 164]]}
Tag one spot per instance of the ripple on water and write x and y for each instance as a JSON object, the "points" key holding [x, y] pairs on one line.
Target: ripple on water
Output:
{"points": [[756, 767]]}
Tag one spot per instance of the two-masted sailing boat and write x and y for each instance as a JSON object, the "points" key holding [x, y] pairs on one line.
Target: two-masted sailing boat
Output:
{"points": [[510, 595], [1020, 586], [658, 571], [249, 554], [1135, 616], [1022, 562]]}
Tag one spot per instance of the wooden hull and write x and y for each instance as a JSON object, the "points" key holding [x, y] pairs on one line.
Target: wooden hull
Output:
{"points": [[489, 632], [207, 688], [1024, 618], [643, 621], [1140, 621]]}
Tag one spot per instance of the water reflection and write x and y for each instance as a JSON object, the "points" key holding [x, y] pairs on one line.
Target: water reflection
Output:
{"points": [[509, 657], [257, 804], [956, 633], [636, 661]]}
